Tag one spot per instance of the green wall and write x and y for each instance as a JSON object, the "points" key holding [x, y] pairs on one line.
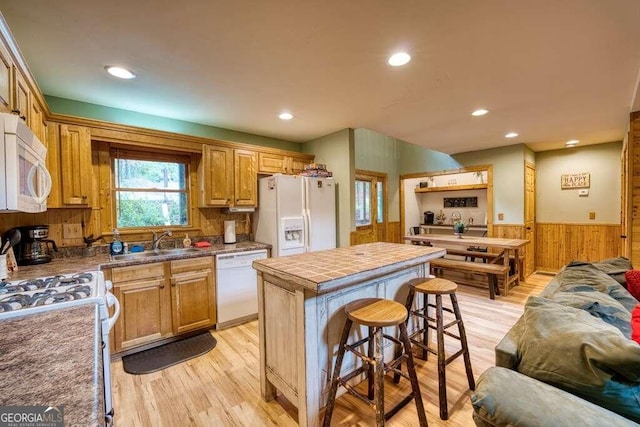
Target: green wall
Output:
{"points": [[337, 152], [131, 118], [508, 179], [379, 153]]}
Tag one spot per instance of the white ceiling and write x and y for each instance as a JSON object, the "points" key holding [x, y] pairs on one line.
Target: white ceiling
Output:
{"points": [[550, 70]]}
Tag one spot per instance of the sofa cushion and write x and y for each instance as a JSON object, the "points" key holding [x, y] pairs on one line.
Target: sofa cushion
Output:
{"points": [[614, 267], [586, 277], [507, 398], [600, 305], [575, 351]]}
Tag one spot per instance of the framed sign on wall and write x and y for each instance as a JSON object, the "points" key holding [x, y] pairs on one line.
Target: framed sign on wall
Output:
{"points": [[575, 180]]}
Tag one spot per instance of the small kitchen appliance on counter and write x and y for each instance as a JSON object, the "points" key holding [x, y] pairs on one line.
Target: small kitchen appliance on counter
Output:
{"points": [[229, 232], [428, 217], [33, 247]]}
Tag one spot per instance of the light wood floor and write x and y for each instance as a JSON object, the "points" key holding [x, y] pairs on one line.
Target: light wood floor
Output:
{"points": [[221, 388]]}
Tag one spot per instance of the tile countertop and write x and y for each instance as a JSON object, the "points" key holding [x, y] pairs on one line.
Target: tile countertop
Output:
{"points": [[52, 359], [325, 271], [102, 261]]}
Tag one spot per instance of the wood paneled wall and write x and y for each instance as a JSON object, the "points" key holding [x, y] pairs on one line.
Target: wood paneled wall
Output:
{"points": [[557, 244], [508, 231]]}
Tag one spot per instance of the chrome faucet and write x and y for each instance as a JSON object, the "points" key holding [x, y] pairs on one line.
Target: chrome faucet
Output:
{"points": [[156, 239]]}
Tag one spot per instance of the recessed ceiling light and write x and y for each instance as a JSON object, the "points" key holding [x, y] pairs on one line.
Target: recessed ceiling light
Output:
{"points": [[571, 142], [511, 135], [480, 112], [285, 116], [398, 59], [120, 72]]}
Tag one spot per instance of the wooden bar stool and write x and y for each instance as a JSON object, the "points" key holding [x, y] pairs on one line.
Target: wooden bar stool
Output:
{"points": [[376, 313], [438, 287]]}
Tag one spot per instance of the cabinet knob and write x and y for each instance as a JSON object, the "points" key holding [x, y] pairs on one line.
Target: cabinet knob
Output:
{"points": [[161, 286], [173, 282]]}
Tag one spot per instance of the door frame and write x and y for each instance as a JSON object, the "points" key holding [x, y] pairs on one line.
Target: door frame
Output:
{"points": [[378, 230]]}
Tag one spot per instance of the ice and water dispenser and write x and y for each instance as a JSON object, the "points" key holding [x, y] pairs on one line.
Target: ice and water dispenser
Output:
{"points": [[293, 230]]}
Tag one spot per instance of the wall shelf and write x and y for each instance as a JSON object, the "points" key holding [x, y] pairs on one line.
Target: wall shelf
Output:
{"points": [[451, 188]]}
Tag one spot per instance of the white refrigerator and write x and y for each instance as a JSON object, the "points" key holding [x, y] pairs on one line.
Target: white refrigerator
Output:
{"points": [[296, 214]]}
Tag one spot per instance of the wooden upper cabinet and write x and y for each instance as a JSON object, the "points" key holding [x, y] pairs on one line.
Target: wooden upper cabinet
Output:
{"points": [[75, 165], [270, 163], [246, 178], [228, 177], [6, 81], [36, 121], [22, 96], [216, 176]]}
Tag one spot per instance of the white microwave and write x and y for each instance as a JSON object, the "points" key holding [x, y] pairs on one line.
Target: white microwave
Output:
{"points": [[25, 182]]}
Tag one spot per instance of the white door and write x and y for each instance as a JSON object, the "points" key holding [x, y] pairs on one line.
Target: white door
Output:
{"points": [[320, 213]]}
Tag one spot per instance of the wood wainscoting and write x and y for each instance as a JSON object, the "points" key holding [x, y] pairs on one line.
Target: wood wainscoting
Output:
{"points": [[557, 244]]}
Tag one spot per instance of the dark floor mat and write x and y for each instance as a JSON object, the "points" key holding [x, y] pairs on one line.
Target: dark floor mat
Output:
{"points": [[167, 355]]}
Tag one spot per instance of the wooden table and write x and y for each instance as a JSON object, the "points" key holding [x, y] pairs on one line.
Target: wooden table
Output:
{"points": [[509, 246], [301, 301]]}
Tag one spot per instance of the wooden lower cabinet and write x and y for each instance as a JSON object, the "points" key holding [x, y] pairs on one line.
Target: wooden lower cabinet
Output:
{"points": [[193, 303], [161, 300]]}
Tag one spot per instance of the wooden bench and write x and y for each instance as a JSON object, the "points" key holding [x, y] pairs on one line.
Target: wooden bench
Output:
{"points": [[492, 271], [473, 254]]}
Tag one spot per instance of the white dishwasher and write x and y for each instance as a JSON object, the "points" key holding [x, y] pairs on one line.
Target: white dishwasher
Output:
{"points": [[236, 287]]}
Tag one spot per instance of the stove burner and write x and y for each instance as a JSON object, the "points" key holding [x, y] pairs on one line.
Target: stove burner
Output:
{"points": [[44, 283], [46, 297]]}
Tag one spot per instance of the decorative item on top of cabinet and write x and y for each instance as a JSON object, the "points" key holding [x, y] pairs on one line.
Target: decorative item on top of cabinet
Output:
{"points": [[75, 165], [228, 177]]}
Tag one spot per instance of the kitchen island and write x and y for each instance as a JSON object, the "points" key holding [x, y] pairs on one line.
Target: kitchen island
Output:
{"points": [[301, 317]]}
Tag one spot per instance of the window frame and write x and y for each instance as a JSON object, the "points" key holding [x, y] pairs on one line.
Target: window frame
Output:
{"points": [[156, 156]]}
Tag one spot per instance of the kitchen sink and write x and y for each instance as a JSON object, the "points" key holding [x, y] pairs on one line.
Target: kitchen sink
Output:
{"points": [[155, 253]]}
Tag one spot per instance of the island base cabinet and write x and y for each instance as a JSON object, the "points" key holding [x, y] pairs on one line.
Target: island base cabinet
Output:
{"points": [[300, 332]]}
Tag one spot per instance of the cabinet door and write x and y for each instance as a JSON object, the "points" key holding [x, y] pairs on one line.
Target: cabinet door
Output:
{"points": [[22, 96], [246, 178], [6, 87], [216, 176], [296, 165], [193, 301], [75, 165], [272, 163], [36, 123], [145, 312]]}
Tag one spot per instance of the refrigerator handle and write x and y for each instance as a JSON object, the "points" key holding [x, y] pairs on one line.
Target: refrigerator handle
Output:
{"points": [[306, 230]]}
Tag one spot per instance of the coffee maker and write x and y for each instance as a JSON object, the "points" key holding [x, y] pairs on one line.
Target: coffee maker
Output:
{"points": [[428, 218], [33, 247]]}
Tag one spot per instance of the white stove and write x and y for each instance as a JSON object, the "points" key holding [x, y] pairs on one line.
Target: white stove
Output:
{"points": [[24, 297]]}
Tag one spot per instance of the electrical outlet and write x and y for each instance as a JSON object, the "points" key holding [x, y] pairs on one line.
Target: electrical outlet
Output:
{"points": [[592, 215], [71, 231], [500, 217]]}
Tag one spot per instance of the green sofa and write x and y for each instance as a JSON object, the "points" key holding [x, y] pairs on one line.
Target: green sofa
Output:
{"points": [[569, 360]]}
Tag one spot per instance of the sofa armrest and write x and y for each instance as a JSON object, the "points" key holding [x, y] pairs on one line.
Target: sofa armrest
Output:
{"points": [[507, 398], [507, 349]]}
